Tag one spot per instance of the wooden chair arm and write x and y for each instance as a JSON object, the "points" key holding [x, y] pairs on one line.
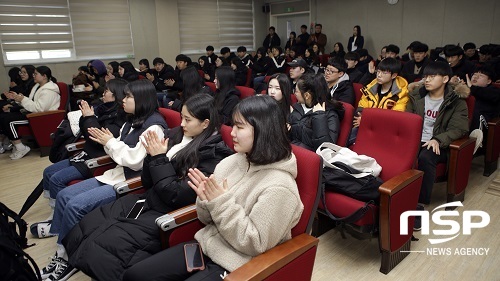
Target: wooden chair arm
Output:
{"points": [[75, 146], [128, 185], [461, 143], [272, 260], [395, 184], [37, 114], [177, 217], [99, 161], [494, 122]]}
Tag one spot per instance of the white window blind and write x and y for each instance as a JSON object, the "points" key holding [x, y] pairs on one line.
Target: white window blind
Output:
{"points": [[220, 23], [62, 30]]}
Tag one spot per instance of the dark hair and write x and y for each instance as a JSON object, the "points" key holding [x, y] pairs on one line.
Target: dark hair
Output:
{"points": [[338, 63], [15, 76], [469, 45], [303, 26], [84, 69], [206, 65], [226, 78], [209, 48], [30, 69], [286, 92], [389, 64], [239, 64], [270, 141], [145, 62], [183, 58], [117, 88], [294, 34], [392, 48], [280, 50], [319, 24], [129, 74], [306, 84], [262, 51], [272, 28], [225, 50], [488, 71], [201, 107], [44, 70], [241, 49], [359, 30], [192, 83], [158, 60], [321, 89], [114, 65], [341, 47], [146, 102], [419, 47], [351, 56], [438, 68], [362, 52], [453, 50]]}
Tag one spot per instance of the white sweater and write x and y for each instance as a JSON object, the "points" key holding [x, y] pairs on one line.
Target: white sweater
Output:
{"points": [[46, 98]]}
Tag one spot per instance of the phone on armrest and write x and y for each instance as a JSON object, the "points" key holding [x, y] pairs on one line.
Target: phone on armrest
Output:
{"points": [[194, 257], [136, 209]]}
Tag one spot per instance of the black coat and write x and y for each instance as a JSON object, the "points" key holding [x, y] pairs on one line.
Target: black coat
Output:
{"points": [[105, 243], [487, 103], [408, 70], [343, 91]]}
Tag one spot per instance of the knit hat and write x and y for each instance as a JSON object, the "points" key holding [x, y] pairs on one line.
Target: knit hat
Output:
{"points": [[99, 65]]}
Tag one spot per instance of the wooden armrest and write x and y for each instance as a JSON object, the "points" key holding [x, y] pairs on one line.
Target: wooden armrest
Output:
{"points": [[271, 261], [177, 217], [37, 114], [75, 146], [494, 122], [395, 184], [462, 143], [99, 161], [128, 185]]}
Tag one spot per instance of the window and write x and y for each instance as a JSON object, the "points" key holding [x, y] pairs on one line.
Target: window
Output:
{"points": [[62, 30], [220, 23]]}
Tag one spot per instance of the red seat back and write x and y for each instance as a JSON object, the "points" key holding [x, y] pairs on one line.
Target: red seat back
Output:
{"points": [[471, 102], [201, 73], [245, 92], [248, 83], [225, 131], [345, 124], [64, 93], [391, 137], [323, 59], [172, 117], [212, 86], [357, 91]]}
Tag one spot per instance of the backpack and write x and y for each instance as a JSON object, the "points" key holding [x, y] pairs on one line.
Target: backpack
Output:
{"points": [[15, 263], [61, 137]]}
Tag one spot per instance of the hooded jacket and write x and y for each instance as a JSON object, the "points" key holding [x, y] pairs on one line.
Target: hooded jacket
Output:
{"points": [[44, 98], [343, 90], [255, 214], [395, 99], [451, 122]]}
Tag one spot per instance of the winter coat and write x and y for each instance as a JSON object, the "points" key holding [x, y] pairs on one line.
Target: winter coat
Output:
{"points": [[260, 66], [311, 129], [397, 96], [277, 65], [105, 243], [257, 212], [226, 111], [319, 39], [44, 98], [487, 103], [360, 42], [408, 70], [159, 77], [270, 42], [464, 67], [451, 122], [343, 90]]}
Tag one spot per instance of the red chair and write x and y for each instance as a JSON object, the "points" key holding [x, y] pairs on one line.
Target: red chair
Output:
{"points": [[42, 124], [172, 117], [245, 92], [201, 73], [323, 59], [357, 92], [291, 260], [393, 139], [212, 86], [345, 124], [268, 77], [225, 132], [249, 81]]}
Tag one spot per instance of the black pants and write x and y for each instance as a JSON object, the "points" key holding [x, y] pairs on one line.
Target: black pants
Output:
{"points": [[170, 264], [427, 162], [10, 121]]}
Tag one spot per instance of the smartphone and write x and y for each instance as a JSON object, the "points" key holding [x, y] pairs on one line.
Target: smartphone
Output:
{"points": [[194, 257], [137, 209]]}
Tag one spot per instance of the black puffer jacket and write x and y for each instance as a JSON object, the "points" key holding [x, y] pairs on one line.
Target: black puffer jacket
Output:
{"points": [[105, 243]]}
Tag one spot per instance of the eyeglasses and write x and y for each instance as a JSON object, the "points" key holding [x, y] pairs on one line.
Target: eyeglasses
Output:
{"points": [[383, 72], [428, 77], [329, 71]]}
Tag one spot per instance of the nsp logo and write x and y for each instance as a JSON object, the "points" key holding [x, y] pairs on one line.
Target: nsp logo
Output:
{"points": [[438, 218]]}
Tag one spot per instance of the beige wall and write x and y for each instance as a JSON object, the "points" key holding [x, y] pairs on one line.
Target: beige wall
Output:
{"points": [[155, 26]]}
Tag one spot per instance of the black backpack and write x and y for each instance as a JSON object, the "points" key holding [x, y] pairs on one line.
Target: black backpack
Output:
{"points": [[14, 262]]}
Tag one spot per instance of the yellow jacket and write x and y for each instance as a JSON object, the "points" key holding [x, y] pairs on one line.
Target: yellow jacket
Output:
{"points": [[396, 99]]}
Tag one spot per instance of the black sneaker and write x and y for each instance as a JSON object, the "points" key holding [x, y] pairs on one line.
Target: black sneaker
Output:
{"points": [[51, 267], [63, 271], [418, 219]]}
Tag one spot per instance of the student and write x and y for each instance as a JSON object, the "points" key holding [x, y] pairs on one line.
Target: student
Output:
{"points": [[392, 51], [44, 96], [105, 243], [291, 42], [444, 111], [73, 202], [161, 73], [460, 66], [277, 61], [251, 195], [280, 89], [272, 39], [352, 59], [175, 83], [338, 51], [414, 69], [144, 67], [241, 52], [240, 71], [98, 76], [382, 55], [260, 67], [109, 115], [340, 88], [315, 119], [210, 54], [298, 68], [387, 91], [356, 41], [112, 70], [127, 71], [470, 52], [226, 96], [226, 55], [193, 84], [364, 59], [318, 38], [207, 68], [311, 58]]}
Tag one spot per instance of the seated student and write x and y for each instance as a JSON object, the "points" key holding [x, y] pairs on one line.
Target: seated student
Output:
{"points": [[364, 60], [241, 52], [44, 96], [316, 50], [260, 66], [338, 51], [15, 86], [175, 82], [226, 55], [240, 71], [408, 55], [311, 58], [248, 205], [315, 119], [382, 55], [161, 73], [73, 202], [460, 67], [105, 243], [414, 69], [278, 62], [97, 75], [291, 42], [226, 96], [210, 54], [112, 70], [127, 71], [392, 51], [109, 115], [298, 68], [445, 119], [280, 89], [292, 54], [23, 87], [338, 81], [193, 85], [470, 52], [352, 59], [387, 91], [144, 67], [207, 68]]}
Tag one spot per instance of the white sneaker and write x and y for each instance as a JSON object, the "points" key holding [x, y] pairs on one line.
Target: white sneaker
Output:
{"points": [[18, 154]]}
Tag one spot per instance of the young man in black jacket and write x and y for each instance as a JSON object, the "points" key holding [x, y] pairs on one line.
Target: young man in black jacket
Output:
{"points": [[338, 81], [414, 69]]}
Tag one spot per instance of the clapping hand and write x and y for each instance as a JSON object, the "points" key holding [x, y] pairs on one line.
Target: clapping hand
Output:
{"points": [[154, 146], [101, 136], [206, 187], [86, 109], [14, 96]]}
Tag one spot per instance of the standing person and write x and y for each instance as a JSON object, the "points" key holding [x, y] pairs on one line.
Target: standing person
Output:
{"points": [[302, 39], [105, 243], [280, 89], [251, 195], [444, 111], [356, 41], [292, 41], [226, 96], [318, 38], [44, 96], [272, 39]]}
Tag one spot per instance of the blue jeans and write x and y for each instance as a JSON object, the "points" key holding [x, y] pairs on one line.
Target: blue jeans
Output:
{"points": [[58, 175], [77, 200]]}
